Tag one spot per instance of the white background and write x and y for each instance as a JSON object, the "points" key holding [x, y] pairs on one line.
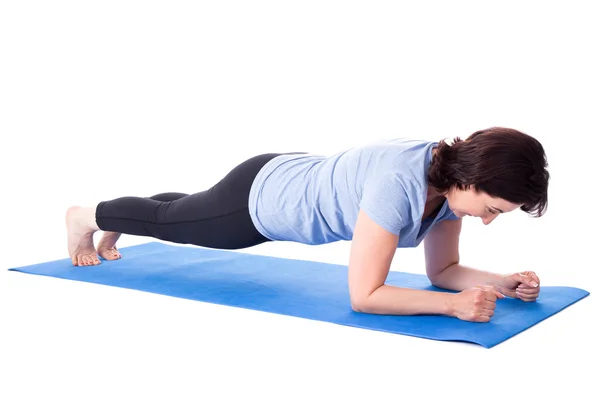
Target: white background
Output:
{"points": [[105, 99]]}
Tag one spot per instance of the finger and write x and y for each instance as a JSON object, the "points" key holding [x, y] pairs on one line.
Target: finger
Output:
{"points": [[487, 304], [527, 297], [499, 294], [490, 292], [527, 280], [482, 318], [488, 312], [527, 294], [527, 290], [533, 275]]}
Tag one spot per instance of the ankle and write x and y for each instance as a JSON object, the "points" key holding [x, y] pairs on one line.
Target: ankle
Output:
{"points": [[91, 218], [86, 217]]}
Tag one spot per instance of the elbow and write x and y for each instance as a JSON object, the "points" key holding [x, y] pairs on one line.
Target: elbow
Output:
{"points": [[366, 298], [436, 281], [361, 304], [439, 283], [361, 308], [358, 305], [439, 279]]}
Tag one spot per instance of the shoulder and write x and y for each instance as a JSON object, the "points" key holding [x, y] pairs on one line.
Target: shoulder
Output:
{"points": [[406, 161], [398, 144], [396, 186], [391, 200], [403, 151]]}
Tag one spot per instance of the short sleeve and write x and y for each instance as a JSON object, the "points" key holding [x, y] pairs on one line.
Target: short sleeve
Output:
{"points": [[386, 201]]}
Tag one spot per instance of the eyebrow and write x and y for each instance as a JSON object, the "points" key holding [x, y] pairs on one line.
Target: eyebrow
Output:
{"points": [[497, 209]]}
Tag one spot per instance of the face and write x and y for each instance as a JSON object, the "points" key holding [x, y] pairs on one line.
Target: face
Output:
{"points": [[481, 205]]}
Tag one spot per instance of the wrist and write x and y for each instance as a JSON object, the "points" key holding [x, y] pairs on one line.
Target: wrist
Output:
{"points": [[449, 307], [497, 280]]}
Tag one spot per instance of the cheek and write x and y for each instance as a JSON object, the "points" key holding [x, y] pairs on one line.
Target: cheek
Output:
{"points": [[455, 207], [460, 208], [456, 203]]}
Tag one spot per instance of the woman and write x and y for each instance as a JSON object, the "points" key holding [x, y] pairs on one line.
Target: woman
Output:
{"points": [[382, 196]]}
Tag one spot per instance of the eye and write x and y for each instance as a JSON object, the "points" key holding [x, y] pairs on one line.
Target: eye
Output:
{"points": [[491, 211]]}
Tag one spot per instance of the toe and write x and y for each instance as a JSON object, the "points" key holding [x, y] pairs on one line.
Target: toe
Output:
{"points": [[111, 254], [90, 259]]}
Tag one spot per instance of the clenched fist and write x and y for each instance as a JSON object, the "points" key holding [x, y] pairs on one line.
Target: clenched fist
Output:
{"points": [[524, 286], [475, 304]]}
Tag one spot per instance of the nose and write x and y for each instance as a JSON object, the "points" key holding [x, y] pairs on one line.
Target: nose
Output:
{"points": [[488, 220]]}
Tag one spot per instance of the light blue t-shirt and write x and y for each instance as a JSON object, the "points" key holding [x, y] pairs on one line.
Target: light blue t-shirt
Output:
{"points": [[314, 199]]}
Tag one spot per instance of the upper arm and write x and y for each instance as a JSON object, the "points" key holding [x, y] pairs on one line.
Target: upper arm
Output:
{"points": [[441, 246], [372, 251]]}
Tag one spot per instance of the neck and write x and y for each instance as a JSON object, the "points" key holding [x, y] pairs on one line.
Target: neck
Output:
{"points": [[434, 195]]}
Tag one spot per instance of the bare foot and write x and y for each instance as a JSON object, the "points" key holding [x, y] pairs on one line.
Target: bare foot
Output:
{"points": [[80, 239], [107, 248]]}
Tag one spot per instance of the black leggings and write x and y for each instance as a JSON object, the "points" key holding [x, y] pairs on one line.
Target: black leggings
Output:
{"points": [[216, 218]]}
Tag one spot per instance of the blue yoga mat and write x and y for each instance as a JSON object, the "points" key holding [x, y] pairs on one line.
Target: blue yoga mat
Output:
{"points": [[305, 289]]}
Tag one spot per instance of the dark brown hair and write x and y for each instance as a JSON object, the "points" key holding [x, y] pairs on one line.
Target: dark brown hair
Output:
{"points": [[502, 162]]}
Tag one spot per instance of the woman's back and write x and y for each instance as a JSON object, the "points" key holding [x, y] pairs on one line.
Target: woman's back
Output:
{"points": [[315, 199]]}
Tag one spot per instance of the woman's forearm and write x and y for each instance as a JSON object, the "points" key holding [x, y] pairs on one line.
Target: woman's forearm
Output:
{"points": [[403, 301], [459, 277]]}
